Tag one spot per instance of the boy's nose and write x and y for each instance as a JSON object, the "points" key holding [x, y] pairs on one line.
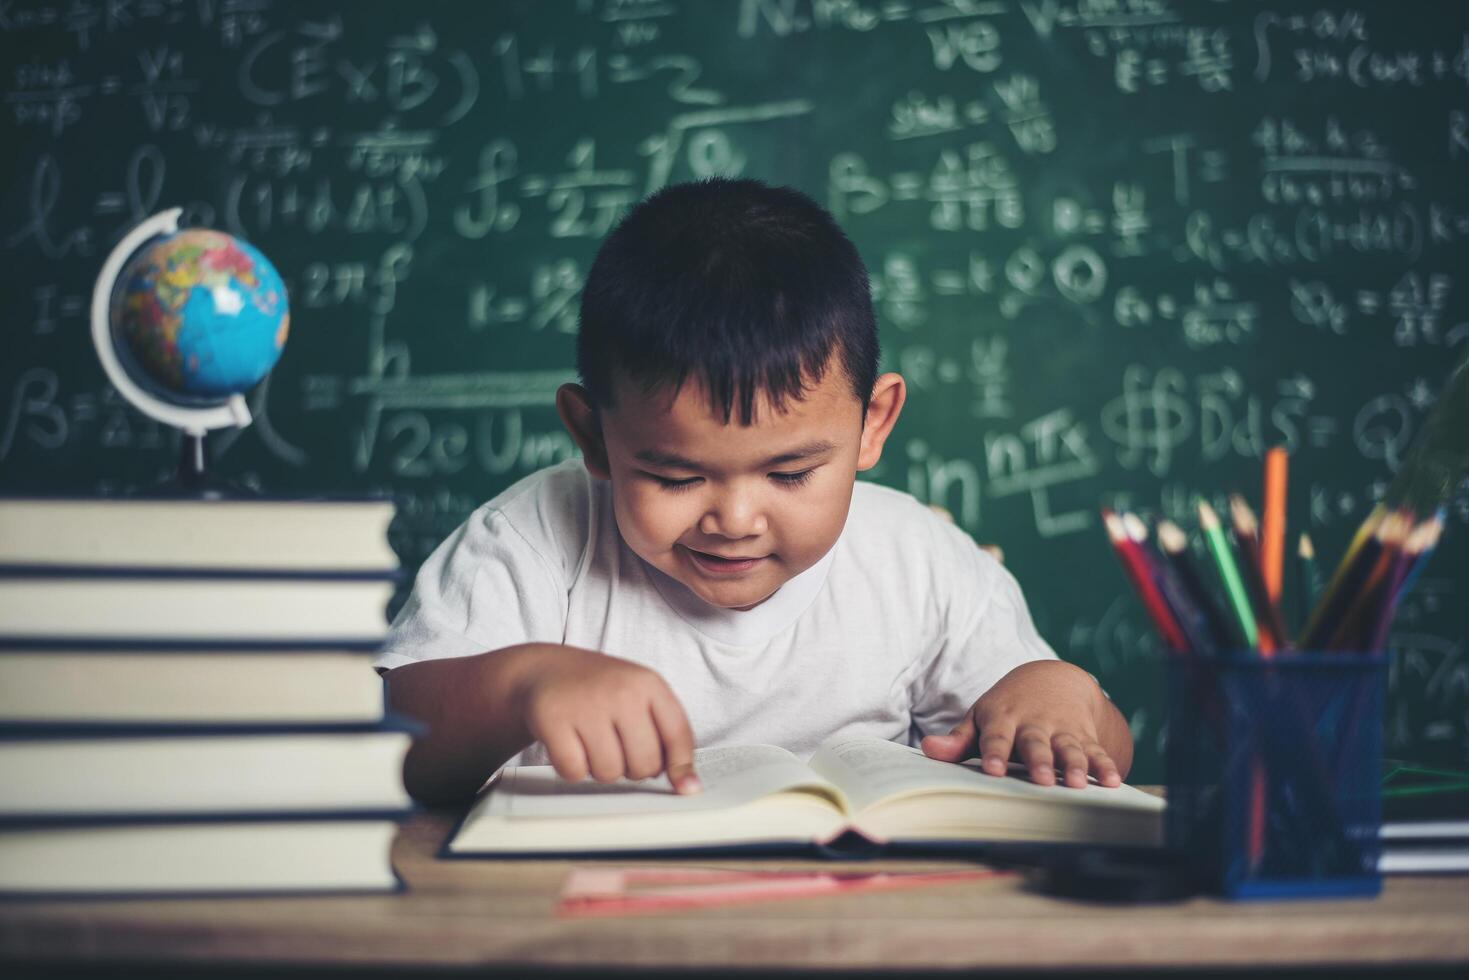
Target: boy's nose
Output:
{"points": [[733, 516]]}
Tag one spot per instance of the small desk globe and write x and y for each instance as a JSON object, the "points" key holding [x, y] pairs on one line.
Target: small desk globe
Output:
{"points": [[185, 323], [202, 313]]}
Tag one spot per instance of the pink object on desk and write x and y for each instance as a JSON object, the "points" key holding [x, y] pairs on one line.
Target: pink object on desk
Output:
{"points": [[630, 891]]}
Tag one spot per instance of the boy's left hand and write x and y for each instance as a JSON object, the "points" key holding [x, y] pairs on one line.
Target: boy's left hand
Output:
{"points": [[1051, 715]]}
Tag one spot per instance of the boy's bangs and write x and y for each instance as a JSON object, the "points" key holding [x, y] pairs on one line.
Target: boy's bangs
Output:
{"points": [[750, 291], [734, 361]]}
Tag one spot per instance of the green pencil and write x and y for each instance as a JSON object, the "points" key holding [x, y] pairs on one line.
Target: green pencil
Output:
{"points": [[1234, 587]]}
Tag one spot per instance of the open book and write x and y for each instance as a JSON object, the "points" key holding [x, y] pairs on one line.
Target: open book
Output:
{"points": [[867, 790]]}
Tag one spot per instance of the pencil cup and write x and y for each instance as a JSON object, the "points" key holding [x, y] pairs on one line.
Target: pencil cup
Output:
{"points": [[1274, 770]]}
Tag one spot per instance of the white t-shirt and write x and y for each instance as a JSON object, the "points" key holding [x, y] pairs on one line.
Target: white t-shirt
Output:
{"points": [[893, 633]]}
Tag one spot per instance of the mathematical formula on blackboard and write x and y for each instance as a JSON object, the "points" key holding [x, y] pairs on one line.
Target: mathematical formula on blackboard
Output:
{"points": [[1118, 249]]}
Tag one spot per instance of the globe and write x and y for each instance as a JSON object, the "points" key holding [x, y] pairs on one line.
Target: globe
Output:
{"points": [[202, 315]]}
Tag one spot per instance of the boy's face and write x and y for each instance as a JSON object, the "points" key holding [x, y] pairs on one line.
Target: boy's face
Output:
{"points": [[731, 511]]}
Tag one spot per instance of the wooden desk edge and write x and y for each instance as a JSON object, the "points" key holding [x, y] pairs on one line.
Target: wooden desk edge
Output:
{"points": [[480, 913]]}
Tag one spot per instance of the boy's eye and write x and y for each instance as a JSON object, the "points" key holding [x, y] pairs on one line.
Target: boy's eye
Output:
{"points": [[670, 484], [793, 479]]}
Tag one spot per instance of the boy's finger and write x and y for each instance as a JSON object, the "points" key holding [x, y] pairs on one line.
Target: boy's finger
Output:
{"points": [[1102, 766], [678, 744], [1070, 759], [642, 749], [995, 746], [604, 750], [1034, 748], [567, 756], [953, 746]]}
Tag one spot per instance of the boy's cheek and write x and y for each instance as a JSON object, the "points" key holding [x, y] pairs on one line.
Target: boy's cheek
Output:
{"points": [[649, 525]]}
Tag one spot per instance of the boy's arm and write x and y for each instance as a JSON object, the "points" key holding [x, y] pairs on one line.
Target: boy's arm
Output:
{"points": [[596, 715], [468, 706]]}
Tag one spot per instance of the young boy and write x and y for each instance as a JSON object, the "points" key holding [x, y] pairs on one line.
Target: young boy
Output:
{"points": [[711, 572]]}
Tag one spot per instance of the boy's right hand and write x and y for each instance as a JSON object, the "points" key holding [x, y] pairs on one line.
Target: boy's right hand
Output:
{"points": [[606, 717]]}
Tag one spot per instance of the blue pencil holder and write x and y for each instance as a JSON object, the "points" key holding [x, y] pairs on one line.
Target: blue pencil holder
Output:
{"points": [[1274, 771]]}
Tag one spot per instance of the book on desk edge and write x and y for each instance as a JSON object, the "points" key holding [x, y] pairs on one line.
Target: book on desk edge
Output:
{"points": [[857, 797], [1425, 846], [252, 855]]}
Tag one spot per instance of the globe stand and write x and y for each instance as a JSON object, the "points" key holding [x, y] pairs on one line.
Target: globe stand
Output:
{"points": [[191, 474], [192, 477]]}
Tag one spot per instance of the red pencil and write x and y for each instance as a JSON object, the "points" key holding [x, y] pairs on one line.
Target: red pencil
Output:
{"points": [[1136, 564]]}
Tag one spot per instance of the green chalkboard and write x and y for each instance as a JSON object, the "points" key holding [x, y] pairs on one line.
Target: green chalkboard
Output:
{"points": [[1118, 247]]}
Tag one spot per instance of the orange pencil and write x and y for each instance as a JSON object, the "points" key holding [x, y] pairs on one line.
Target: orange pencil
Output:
{"points": [[1272, 522]]}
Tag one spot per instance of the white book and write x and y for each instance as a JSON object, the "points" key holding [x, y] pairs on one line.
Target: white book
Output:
{"points": [[1411, 830], [764, 795], [203, 773], [223, 609], [198, 858], [108, 685], [1416, 861], [319, 536]]}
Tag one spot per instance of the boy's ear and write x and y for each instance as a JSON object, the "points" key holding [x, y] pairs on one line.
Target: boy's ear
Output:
{"points": [[888, 394], [574, 406]]}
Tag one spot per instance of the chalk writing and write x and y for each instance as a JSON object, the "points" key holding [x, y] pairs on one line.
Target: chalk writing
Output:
{"points": [[1117, 249]]}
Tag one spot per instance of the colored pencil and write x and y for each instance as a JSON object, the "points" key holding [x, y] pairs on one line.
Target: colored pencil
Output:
{"points": [[1330, 598], [1197, 634], [1134, 564], [1269, 639], [1252, 564], [1174, 545], [1419, 540], [1351, 606], [1417, 569], [1224, 564], [1310, 581], [1272, 522], [1270, 556], [1395, 534]]}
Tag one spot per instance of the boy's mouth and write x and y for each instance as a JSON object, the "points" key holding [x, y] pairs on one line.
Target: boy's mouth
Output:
{"points": [[722, 564]]}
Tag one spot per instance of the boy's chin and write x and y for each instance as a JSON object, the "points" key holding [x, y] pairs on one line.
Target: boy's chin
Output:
{"points": [[739, 596]]}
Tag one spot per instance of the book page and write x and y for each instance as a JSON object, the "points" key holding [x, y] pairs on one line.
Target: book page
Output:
{"points": [[731, 776], [870, 770]]}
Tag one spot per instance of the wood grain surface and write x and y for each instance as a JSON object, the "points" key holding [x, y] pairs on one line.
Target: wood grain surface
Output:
{"points": [[464, 913]]}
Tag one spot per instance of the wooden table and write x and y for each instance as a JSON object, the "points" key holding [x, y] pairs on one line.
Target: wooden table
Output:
{"points": [[485, 913]]}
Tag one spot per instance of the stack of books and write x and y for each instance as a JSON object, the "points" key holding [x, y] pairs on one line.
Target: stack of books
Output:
{"points": [[1425, 819], [187, 703]]}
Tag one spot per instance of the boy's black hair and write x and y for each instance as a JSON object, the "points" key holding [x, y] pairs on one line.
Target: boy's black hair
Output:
{"points": [[747, 287]]}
